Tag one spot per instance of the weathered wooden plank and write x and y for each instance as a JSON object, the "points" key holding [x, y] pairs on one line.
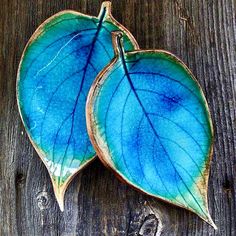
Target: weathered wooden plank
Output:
{"points": [[203, 34]]}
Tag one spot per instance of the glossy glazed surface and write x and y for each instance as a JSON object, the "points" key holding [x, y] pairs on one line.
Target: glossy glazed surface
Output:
{"points": [[57, 69], [150, 123]]}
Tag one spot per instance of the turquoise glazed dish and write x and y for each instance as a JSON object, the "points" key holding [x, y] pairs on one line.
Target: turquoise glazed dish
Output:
{"points": [[149, 122], [57, 68]]}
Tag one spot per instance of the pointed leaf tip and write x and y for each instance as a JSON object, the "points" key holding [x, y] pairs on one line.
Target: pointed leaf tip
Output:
{"points": [[61, 204], [60, 195], [209, 220]]}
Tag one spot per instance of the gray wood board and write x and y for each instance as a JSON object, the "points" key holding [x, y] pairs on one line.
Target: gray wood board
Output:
{"points": [[203, 34]]}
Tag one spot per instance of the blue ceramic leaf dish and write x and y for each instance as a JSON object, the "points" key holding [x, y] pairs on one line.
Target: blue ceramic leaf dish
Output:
{"points": [[57, 68], [149, 122]]}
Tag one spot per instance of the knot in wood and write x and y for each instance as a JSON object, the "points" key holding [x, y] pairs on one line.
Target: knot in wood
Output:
{"points": [[20, 179], [149, 226], [43, 200]]}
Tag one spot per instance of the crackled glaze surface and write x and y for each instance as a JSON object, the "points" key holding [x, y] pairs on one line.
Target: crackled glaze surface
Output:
{"points": [[149, 121], [58, 66]]}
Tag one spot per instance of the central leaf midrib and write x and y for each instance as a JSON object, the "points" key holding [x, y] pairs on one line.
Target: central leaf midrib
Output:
{"points": [[150, 123], [81, 84]]}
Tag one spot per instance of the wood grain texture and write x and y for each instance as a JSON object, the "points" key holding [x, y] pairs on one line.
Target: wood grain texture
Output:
{"points": [[203, 35]]}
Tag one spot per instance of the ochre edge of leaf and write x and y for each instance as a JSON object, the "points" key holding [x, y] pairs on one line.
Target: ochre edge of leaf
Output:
{"points": [[103, 157], [60, 191]]}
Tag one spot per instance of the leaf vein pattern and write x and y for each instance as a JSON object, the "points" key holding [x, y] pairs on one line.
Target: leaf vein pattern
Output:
{"points": [[150, 122]]}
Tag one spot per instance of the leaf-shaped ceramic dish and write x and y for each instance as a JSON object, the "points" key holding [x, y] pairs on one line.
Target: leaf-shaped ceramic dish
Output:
{"points": [[149, 121], [57, 68]]}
